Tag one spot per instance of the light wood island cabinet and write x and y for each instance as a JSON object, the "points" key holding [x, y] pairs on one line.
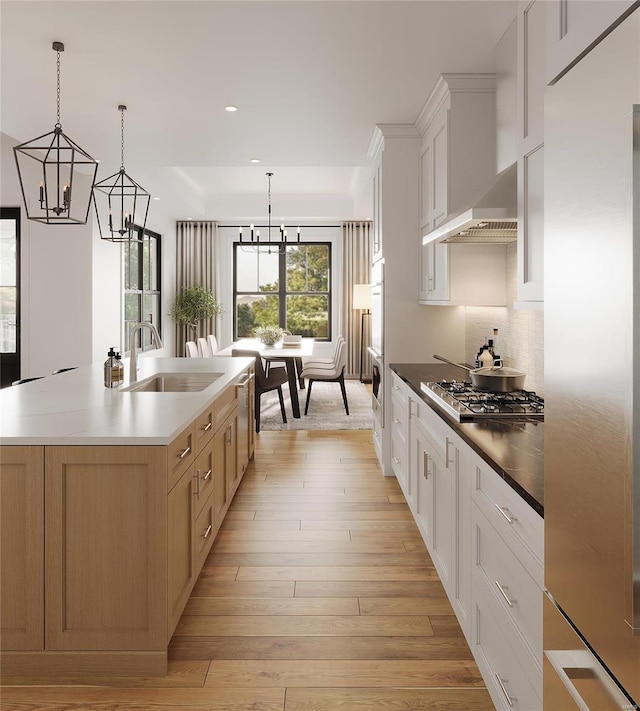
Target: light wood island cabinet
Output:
{"points": [[102, 545]]}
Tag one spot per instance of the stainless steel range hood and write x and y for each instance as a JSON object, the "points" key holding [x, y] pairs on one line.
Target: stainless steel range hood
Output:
{"points": [[493, 219]]}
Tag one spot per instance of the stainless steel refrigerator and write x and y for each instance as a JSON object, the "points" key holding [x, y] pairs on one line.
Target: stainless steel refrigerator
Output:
{"points": [[592, 379]]}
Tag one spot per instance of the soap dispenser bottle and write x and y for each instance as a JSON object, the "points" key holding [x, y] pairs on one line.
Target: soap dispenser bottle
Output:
{"points": [[109, 366], [118, 370]]}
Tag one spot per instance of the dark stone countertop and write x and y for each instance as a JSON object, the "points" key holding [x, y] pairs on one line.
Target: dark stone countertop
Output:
{"points": [[513, 447]]}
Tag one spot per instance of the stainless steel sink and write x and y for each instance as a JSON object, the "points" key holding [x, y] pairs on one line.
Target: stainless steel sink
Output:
{"points": [[174, 383]]}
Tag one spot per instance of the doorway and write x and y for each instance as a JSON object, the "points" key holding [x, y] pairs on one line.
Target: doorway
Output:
{"points": [[9, 295]]}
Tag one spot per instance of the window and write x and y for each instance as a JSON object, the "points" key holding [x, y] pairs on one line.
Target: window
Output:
{"points": [[290, 288], [9, 295], [142, 282]]}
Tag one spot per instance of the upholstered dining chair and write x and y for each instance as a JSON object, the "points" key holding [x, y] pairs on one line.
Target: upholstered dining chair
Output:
{"points": [[265, 383], [204, 350], [191, 349], [332, 374], [213, 344], [314, 362]]}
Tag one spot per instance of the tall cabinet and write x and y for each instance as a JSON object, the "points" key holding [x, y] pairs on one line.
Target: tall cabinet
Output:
{"points": [[408, 331]]}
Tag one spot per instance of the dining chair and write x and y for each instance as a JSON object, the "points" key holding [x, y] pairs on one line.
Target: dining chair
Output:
{"points": [[191, 349], [314, 362], [204, 350], [213, 344], [334, 374], [265, 383]]}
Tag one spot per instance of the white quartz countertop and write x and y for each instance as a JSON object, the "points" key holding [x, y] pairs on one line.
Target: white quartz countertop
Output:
{"points": [[74, 408]]}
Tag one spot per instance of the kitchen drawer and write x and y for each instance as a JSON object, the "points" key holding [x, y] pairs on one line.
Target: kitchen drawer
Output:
{"points": [[204, 531], [399, 418], [438, 431], [518, 524], [400, 462], [180, 455], [499, 571], [399, 390], [507, 668], [203, 474], [204, 427], [224, 404]]}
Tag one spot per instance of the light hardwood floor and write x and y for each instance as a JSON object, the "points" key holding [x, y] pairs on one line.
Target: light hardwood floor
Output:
{"points": [[318, 595]]}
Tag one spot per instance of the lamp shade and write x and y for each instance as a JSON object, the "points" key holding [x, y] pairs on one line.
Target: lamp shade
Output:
{"points": [[362, 297]]}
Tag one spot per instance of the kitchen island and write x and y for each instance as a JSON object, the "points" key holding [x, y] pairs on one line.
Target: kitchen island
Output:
{"points": [[111, 500]]}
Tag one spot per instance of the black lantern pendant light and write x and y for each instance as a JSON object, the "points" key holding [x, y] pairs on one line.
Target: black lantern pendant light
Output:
{"points": [[127, 201], [262, 245], [56, 175]]}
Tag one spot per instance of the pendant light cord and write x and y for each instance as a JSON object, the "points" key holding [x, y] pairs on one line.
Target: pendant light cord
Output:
{"points": [[58, 124], [122, 138]]}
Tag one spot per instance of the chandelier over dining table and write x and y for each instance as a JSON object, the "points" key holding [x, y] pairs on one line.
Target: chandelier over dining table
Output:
{"points": [[253, 241]]}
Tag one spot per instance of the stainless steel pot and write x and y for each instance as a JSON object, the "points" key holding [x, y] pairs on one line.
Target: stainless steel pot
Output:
{"points": [[497, 379]]}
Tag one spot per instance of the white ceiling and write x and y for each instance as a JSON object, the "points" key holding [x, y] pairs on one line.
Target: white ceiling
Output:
{"points": [[311, 79]]}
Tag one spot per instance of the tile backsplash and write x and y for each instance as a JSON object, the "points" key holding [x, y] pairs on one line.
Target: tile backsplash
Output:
{"points": [[520, 333]]}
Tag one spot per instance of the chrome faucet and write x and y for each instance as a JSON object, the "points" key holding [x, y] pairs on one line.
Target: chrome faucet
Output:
{"points": [[155, 339]]}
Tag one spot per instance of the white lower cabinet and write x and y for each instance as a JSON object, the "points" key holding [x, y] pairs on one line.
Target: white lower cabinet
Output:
{"points": [[485, 541]]}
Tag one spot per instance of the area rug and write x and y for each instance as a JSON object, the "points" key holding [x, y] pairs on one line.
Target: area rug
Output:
{"points": [[326, 409]]}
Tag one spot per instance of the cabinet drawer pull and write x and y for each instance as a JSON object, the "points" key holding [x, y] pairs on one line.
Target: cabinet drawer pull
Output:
{"points": [[184, 454], [509, 699], [396, 460], [207, 475], [425, 464], [396, 387], [207, 532], [197, 478], [207, 427], [396, 421], [502, 589], [447, 442], [505, 514]]}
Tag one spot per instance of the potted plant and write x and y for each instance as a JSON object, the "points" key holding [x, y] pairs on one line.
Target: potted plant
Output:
{"points": [[269, 335], [193, 305]]}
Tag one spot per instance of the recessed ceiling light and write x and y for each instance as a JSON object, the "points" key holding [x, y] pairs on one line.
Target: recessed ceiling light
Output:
{"points": [[189, 218], [231, 108], [156, 198], [255, 160]]}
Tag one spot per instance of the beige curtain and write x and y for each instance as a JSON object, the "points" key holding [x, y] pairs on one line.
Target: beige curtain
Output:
{"points": [[195, 264], [356, 269]]}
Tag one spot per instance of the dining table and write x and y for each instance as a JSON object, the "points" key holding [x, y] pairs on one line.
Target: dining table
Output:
{"points": [[279, 351]]}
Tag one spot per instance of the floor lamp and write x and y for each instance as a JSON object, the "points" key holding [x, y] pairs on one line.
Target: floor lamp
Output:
{"points": [[362, 303]]}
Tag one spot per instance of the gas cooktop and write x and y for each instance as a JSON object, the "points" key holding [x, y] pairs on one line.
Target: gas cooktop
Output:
{"points": [[463, 402]]}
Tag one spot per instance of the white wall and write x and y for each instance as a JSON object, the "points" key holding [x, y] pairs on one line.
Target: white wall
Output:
{"points": [[55, 293]]}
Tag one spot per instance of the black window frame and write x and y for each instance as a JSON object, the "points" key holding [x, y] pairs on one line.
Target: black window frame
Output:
{"points": [[10, 362], [138, 241], [282, 291]]}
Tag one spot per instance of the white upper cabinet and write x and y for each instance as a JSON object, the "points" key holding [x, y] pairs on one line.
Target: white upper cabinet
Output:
{"points": [[457, 126], [531, 83], [506, 99], [575, 26]]}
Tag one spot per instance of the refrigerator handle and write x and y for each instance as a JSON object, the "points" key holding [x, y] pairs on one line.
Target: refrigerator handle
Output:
{"points": [[632, 484]]}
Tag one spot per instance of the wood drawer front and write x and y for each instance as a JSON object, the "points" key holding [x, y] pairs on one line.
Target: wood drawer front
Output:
{"points": [[224, 404], [180, 455], [498, 570], [506, 666], [518, 524], [204, 427], [204, 531], [203, 477], [399, 390]]}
